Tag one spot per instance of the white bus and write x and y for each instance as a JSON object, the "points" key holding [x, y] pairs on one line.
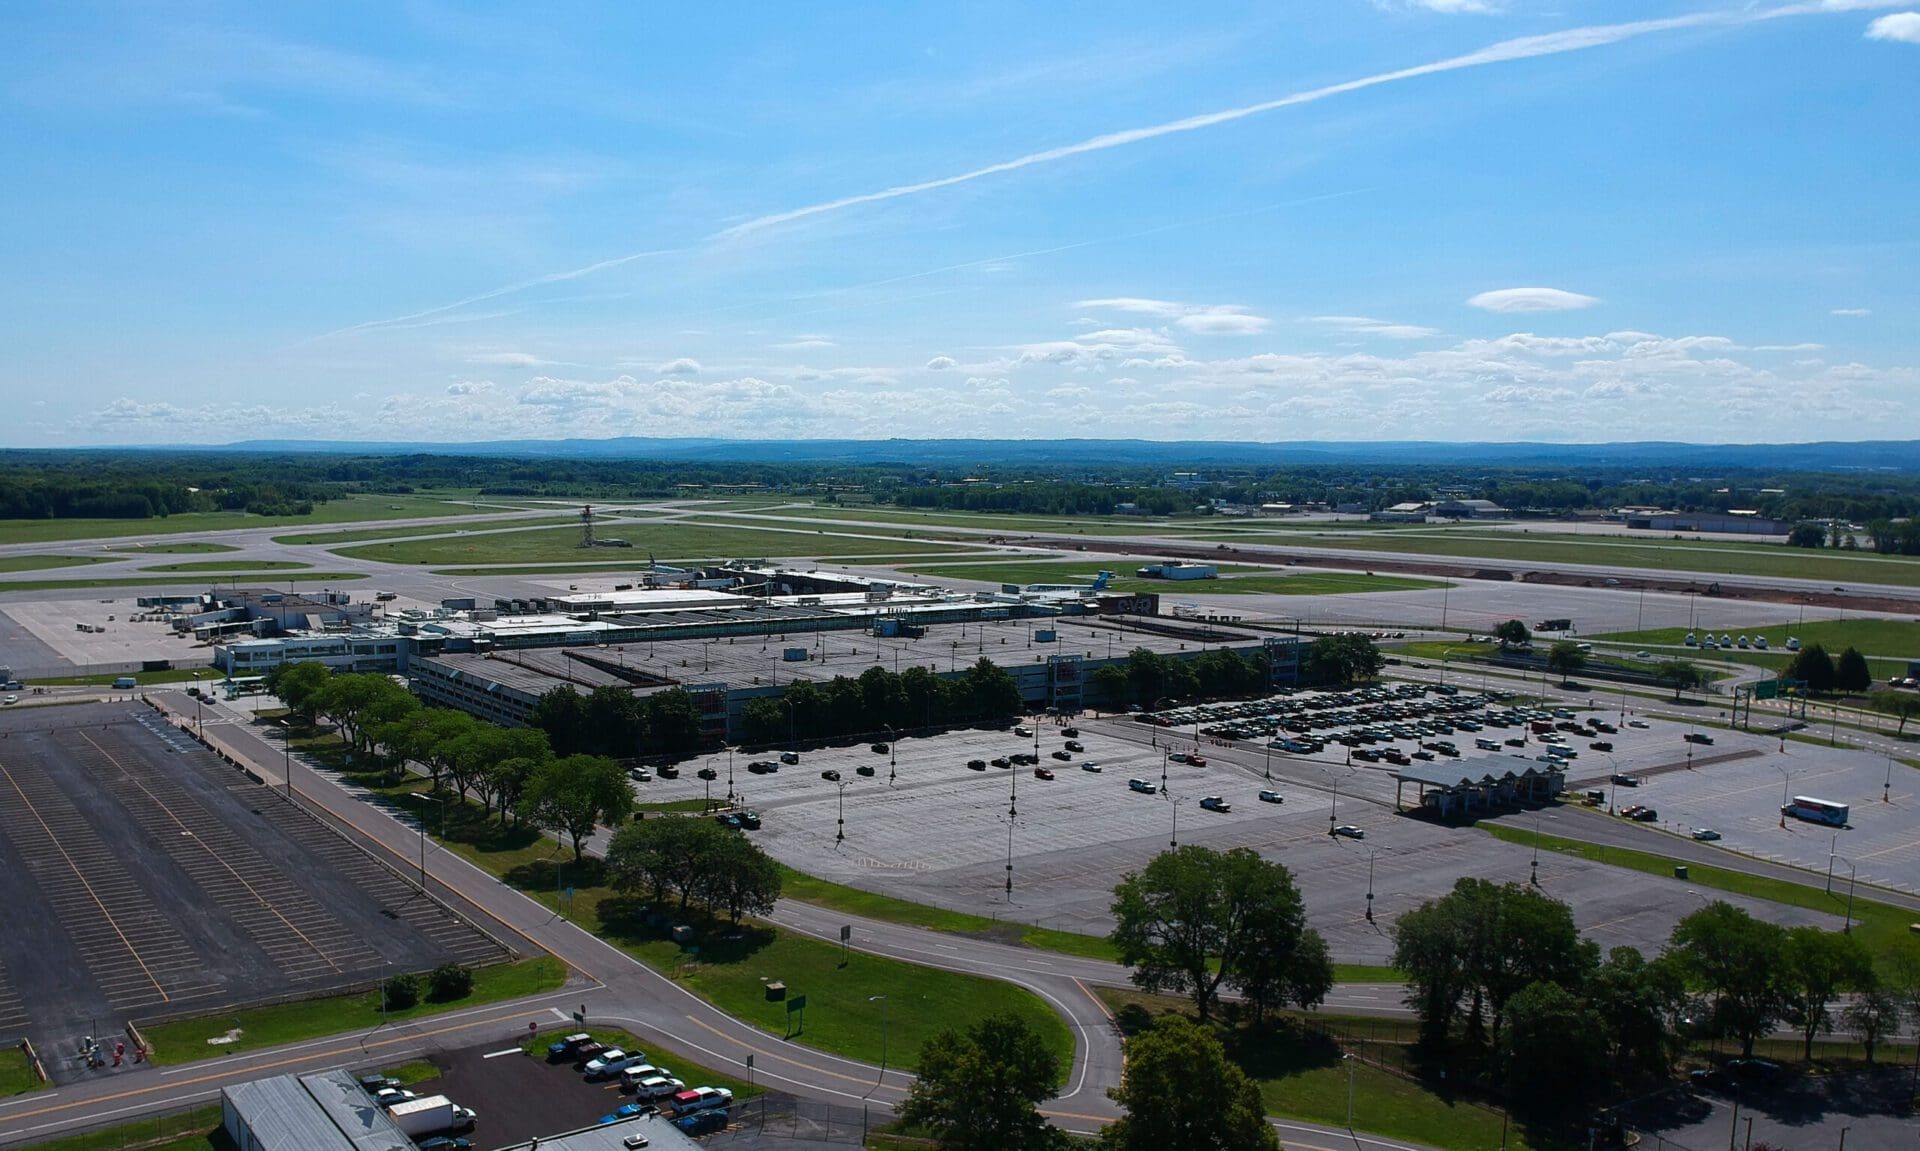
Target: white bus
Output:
{"points": [[1817, 810]]}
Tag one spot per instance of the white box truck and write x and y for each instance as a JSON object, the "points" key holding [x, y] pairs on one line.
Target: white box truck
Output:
{"points": [[426, 1116]]}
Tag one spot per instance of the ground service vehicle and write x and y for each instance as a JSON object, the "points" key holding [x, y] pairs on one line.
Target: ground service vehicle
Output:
{"points": [[1817, 810]]}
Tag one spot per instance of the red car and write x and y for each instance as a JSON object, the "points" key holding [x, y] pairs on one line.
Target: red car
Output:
{"points": [[1043, 773]]}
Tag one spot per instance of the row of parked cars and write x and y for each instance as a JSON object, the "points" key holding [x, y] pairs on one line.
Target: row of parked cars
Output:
{"points": [[694, 1110]]}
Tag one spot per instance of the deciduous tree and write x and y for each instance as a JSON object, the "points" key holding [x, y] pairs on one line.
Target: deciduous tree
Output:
{"points": [[979, 1089], [574, 794], [1737, 960], [1182, 1093]]}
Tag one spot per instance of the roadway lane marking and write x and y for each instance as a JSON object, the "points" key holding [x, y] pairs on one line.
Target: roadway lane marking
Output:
{"points": [[33, 1099], [348, 1051], [700, 1023], [1097, 1002], [507, 1051], [560, 1015]]}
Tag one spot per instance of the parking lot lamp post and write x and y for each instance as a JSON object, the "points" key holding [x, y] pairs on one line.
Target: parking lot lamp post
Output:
{"points": [[886, 1023], [1270, 764], [1174, 840], [1852, 875], [1333, 813], [729, 774], [286, 757], [1886, 789], [1010, 823], [1163, 769], [840, 834], [1786, 784], [1348, 1060], [1370, 855], [1843, 1136], [1833, 845]]}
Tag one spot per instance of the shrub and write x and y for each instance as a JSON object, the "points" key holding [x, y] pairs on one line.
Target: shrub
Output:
{"points": [[449, 981], [402, 992]]}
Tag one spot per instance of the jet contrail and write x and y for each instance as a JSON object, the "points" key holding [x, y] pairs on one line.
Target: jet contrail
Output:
{"points": [[1506, 51]]}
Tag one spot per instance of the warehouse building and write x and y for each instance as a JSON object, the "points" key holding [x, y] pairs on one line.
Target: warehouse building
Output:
{"points": [[324, 1112]]}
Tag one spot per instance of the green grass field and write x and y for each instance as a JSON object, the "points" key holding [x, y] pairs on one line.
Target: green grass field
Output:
{"points": [[196, 1130], [177, 547], [362, 535], [234, 565], [1882, 927], [42, 563], [1301, 1075], [1890, 638], [248, 576], [1012, 524], [352, 509], [16, 1075], [1707, 557], [667, 542], [616, 569], [187, 1040], [734, 964]]}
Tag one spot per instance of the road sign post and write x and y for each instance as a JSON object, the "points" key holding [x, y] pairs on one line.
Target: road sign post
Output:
{"points": [[796, 1006]]}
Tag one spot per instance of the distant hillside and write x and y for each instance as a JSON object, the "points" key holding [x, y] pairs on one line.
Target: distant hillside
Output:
{"points": [[1876, 455]]}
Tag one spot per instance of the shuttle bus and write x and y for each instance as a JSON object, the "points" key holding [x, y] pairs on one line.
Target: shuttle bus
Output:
{"points": [[1817, 810]]}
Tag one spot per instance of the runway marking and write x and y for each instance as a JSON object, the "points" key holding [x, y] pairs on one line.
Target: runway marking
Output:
{"points": [[79, 875], [507, 1051]]}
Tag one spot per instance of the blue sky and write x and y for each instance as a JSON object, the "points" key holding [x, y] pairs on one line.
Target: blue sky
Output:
{"points": [[1340, 219]]}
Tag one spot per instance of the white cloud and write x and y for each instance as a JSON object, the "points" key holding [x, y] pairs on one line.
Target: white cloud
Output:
{"points": [[1204, 319], [680, 367], [469, 387], [1367, 326], [1852, 313], [1901, 26], [941, 363], [799, 343], [1531, 300], [507, 359]]}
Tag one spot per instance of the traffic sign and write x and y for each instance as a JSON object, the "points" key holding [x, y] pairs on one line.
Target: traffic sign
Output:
{"points": [[797, 1003]]}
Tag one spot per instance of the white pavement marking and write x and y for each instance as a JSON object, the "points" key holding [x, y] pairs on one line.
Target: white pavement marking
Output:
{"points": [[498, 1054]]}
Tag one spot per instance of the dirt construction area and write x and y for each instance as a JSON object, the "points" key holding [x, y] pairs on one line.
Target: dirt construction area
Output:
{"points": [[144, 878], [926, 827]]}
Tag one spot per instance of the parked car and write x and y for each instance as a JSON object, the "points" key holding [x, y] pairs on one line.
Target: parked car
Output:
{"points": [[1091, 766], [1063, 754], [729, 820], [976, 765], [668, 771], [1023, 731], [830, 775], [1698, 737], [1002, 761], [1624, 780], [1215, 803], [789, 757], [1043, 773], [1197, 761], [626, 1111], [1070, 732], [1644, 815], [1074, 745], [640, 774], [1350, 831], [1143, 786], [707, 773], [1600, 745], [1639, 723], [863, 769], [762, 767], [879, 749], [1705, 834], [1272, 797], [703, 1122], [374, 1084]]}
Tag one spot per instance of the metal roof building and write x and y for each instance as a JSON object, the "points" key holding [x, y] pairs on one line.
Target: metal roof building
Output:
{"points": [[324, 1112], [1462, 787], [659, 1132]]}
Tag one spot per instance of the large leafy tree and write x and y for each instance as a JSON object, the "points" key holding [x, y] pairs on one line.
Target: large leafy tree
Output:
{"points": [[1851, 673], [1193, 920], [1812, 664], [1512, 633], [1182, 1093], [1639, 1002], [575, 793], [298, 685], [1342, 659], [1873, 1015], [1679, 674], [1554, 1051], [1484, 942], [1566, 657], [1738, 961], [979, 1089], [696, 859], [1903, 705], [1819, 966]]}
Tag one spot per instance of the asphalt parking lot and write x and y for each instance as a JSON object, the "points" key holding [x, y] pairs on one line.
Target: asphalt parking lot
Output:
{"points": [[143, 878], [926, 828], [1870, 1110]]}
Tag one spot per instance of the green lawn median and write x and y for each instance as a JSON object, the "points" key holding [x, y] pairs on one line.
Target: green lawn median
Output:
{"points": [[858, 1005], [1882, 927], [196, 1130], [16, 1074], [252, 1028]]}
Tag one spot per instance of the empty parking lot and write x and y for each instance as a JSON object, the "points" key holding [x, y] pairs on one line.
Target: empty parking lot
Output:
{"points": [[145, 878]]}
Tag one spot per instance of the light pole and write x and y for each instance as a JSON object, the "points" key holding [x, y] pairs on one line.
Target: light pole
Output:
{"points": [[1370, 855], [1886, 790], [1174, 840], [886, 1025], [840, 833], [1786, 784], [706, 779], [1348, 1060], [729, 776], [1011, 824], [1852, 875], [286, 757]]}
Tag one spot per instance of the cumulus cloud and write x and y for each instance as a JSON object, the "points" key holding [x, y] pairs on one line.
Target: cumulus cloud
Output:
{"points": [[1901, 26], [1531, 300], [1368, 326], [941, 363], [1852, 313], [1204, 319], [469, 387], [680, 367]]}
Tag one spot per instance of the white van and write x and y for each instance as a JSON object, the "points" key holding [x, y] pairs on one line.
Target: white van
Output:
{"points": [[126, 682]]}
